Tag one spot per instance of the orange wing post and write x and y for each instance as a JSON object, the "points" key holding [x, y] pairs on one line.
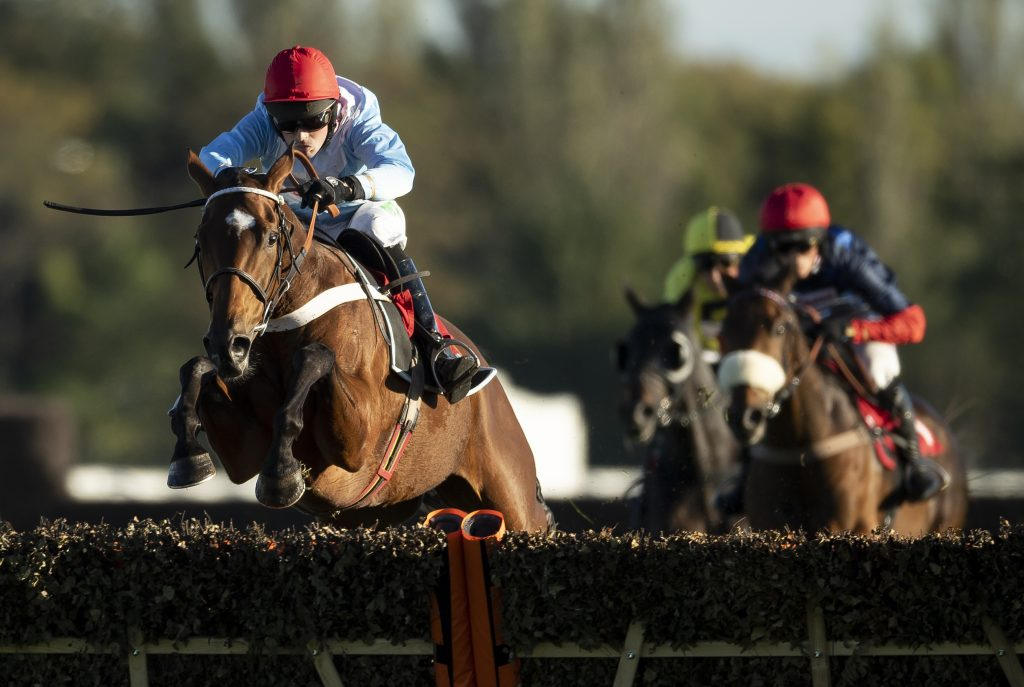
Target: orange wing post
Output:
{"points": [[449, 607], [496, 665]]}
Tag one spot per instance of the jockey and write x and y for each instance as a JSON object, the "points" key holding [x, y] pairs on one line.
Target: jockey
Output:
{"points": [[795, 220], [713, 244], [363, 167]]}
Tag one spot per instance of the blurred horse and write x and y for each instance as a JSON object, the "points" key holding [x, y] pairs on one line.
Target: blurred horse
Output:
{"points": [[812, 462], [673, 413], [315, 411]]}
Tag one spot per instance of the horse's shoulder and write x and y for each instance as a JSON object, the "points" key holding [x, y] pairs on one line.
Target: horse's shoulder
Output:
{"points": [[837, 399]]}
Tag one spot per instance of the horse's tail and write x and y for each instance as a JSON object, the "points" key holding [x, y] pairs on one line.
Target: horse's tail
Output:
{"points": [[951, 503]]}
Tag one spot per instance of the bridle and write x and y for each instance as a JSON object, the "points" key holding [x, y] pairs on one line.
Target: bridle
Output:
{"points": [[285, 231], [774, 405], [668, 410], [283, 280], [817, 449]]}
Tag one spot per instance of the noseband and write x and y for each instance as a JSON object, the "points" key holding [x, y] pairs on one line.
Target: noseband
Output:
{"points": [[669, 407], [284, 281], [774, 405]]}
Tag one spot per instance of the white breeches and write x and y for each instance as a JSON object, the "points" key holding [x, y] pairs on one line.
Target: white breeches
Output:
{"points": [[383, 219], [881, 360]]}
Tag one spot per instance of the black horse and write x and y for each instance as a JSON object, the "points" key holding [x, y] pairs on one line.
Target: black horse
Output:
{"points": [[674, 416]]}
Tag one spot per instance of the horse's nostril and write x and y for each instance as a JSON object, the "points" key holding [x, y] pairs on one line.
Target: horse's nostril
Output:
{"points": [[647, 411], [240, 347], [753, 418]]}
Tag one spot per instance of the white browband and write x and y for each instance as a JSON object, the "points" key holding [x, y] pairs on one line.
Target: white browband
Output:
{"points": [[279, 199]]}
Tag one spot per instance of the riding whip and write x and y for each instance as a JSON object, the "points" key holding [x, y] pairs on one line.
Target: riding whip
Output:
{"points": [[198, 202]]}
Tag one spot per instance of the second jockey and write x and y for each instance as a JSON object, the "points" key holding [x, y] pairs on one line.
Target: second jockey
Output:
{"points": [[363, 166], [713, 244], [795, 220]]}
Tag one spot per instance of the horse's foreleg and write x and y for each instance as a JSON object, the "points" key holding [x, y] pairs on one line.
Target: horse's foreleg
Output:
{"points": [[191, 463], [281, 483]]}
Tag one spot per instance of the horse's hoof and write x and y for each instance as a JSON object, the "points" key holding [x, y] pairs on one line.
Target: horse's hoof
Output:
{"points": [[280, 492], [189, 471]]}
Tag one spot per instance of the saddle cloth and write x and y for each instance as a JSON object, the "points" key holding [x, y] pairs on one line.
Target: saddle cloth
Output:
{"points": [[375, 270], [881, 424]]}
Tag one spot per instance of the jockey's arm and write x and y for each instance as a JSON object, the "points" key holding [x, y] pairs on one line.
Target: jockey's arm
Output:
{"points": [[901, 321], [389, 172], [904, 327], [250, 139]]}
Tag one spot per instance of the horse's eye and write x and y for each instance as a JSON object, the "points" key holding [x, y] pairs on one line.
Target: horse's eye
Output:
{"points": [[272, 238]]}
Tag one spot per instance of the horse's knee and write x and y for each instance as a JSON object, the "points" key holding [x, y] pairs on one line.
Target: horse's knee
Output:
{"points": [[316, 358], [195, 368]]}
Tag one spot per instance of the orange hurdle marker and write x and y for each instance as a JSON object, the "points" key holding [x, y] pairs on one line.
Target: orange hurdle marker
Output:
{"points": [[495, 664], [449, 607]]}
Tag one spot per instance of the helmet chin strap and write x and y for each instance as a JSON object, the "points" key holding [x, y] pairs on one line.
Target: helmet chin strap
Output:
{"points": [[332, 127]]}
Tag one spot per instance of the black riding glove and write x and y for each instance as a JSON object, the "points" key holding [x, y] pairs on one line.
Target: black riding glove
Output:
{"points": [[836, 329], [330, 190]]}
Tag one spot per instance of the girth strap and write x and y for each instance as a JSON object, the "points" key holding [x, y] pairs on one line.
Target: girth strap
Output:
{"points": [[400, 436]]}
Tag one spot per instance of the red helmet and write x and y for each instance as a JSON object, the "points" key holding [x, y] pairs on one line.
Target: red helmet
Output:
{"points": [[794, 207], [300, 74]]}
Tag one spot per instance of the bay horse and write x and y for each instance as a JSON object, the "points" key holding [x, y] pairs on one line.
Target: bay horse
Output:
{"points": [[674, 414], [315, 411], [812, 462]]}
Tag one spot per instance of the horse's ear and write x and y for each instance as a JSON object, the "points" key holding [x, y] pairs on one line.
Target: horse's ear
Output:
{"points": [[786, 277], [200, 174], [280, 170], [634, 300]]}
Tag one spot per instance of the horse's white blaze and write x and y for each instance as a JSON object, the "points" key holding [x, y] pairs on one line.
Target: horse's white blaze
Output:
{"points": [[751, 368], [240, 221]]}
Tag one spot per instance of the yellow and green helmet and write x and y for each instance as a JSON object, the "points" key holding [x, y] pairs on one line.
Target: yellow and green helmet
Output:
{"points": [[716, 231], [713, 232]]}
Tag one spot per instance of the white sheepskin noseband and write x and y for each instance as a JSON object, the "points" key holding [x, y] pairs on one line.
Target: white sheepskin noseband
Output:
{"points": [[753, 369]]}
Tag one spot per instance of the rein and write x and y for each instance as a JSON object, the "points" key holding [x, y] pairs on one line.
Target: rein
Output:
{"points": [[774, 406], [818, 450]]}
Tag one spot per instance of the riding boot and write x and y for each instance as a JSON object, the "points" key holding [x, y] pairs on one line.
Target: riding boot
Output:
{"points": [[457, 375], [729, 498], [922, 479]]}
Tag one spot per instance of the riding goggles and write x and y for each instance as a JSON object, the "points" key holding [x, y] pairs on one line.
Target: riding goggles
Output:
{"points": [[706, 262], [794, 243], [311, 123]]}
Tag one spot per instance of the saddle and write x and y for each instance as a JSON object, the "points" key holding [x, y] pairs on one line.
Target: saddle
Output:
{"points": [[376, 270], [841, 362]]}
